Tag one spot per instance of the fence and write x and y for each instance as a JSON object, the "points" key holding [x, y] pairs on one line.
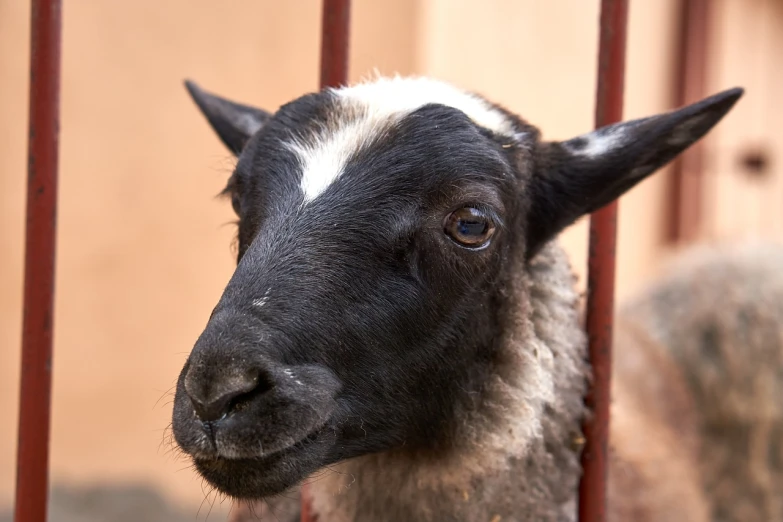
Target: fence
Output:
{"points": [[36, 368], [37, 327]]}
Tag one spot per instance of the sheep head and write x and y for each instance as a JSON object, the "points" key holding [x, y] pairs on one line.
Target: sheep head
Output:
{"points": [[378, 225]]}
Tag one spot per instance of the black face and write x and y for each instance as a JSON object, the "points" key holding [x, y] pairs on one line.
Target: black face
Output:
{"points": [[357, 320], [381, 285]]}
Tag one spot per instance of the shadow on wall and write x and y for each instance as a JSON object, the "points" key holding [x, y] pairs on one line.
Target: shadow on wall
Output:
{"points": [[124, 503]]}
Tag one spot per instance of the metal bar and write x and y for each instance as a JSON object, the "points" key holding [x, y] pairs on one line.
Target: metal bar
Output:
{"points": [[601, 268], [307, 514], [334, 42], [685, 212], [335, 33], [32, 471]]}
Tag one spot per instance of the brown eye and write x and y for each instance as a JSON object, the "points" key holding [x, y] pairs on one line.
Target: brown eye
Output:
{"points": [[468, 226]]}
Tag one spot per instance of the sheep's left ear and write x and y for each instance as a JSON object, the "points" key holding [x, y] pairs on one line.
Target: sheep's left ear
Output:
{"points": [[576, 177], [233, 122]]}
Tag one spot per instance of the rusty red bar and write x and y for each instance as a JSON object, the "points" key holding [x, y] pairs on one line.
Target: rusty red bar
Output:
{"points": [[32, 469], [601, 268], [335, 33], [307, 515]]}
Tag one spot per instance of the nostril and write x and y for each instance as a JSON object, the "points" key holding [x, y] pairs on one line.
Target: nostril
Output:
{"points": [[214, 410], [213, 406]]}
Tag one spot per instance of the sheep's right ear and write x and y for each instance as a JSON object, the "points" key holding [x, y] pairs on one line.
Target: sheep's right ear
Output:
{"points": [[234, 123]]}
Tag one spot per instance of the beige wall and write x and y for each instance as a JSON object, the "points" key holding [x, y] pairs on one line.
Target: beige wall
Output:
{"points": [[748, 52], [143, 244]]}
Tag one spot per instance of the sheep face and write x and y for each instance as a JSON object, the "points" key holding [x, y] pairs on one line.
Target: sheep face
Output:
{"points": [[377, 226]]}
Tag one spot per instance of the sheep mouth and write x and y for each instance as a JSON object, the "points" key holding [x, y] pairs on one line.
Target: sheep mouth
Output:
{"points": [[271, 474]]}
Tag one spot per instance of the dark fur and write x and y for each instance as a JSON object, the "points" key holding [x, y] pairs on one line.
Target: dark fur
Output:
{"points": [[394, 330]]}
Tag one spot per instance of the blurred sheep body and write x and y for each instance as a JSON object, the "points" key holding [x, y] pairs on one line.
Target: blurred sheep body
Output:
{"points": [[717, 316]]}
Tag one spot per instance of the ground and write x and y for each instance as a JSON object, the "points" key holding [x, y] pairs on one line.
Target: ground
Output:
{"points": [[129, 503]]}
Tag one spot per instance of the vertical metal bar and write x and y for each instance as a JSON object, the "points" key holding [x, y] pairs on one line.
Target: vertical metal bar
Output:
{"points": [[601, 268], [335, 32], [307, 515], [685, 210], [32, 471], [334, 42]]}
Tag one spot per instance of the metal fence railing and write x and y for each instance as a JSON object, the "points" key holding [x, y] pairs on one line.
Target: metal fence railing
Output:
{"points": [[36, 369], [32, 467], [600, 275]]}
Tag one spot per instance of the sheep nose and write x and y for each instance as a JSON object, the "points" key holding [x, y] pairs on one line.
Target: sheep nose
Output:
{"points": [[214, 398]]}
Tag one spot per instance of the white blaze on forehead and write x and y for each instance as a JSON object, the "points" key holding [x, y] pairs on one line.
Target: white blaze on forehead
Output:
{"points": [[364, 111]]}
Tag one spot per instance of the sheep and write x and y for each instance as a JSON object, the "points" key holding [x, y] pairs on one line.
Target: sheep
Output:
{"points": [[401, 312], [718, 317], [710, 376]]}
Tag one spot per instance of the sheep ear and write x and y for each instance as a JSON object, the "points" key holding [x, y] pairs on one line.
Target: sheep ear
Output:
{"points": [[575, 177], [234, 123]]}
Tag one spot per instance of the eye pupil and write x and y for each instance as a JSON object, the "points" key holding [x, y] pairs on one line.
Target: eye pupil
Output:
{"points": [[469, 227]]}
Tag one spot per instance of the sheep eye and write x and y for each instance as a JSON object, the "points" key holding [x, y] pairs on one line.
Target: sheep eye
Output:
{"points": [[469, 227]]}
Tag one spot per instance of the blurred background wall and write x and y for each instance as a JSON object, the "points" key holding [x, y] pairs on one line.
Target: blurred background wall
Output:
{"points": [[144, 245]]}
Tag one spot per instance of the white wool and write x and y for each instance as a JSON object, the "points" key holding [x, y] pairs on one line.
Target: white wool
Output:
{"points": [[366, 110]]}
